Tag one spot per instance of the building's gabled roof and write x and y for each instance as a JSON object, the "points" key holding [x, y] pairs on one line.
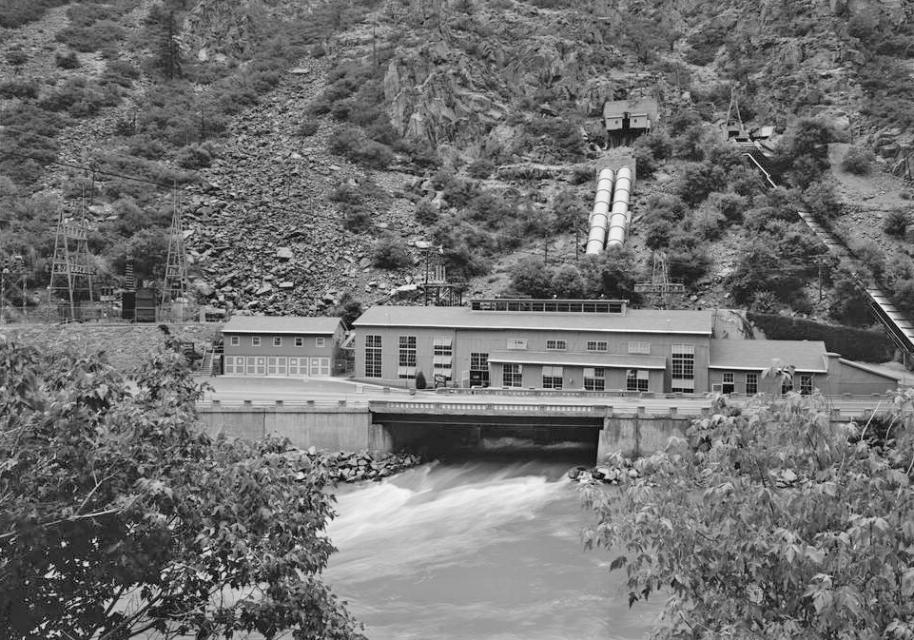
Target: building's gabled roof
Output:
{"points": [[632, 321], [615, 108], [605, 360], [755, 355], [282, 324]]}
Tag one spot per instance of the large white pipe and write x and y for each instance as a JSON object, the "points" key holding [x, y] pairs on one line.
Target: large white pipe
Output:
{"points": [[619, 217], [599, 218]]}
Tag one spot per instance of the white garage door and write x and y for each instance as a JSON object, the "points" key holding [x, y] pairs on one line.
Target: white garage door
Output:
{"points": [[320, 366]]}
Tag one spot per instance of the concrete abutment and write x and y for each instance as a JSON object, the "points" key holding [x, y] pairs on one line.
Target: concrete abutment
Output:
{"points": [[334, 428], [639, 435]]}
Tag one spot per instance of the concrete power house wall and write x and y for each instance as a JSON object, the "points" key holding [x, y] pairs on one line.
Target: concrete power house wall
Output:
{"points": [[557, 348]]}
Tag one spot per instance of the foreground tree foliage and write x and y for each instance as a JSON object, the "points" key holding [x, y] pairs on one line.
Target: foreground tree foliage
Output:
{"points": [[772, 524], [119, 516]]}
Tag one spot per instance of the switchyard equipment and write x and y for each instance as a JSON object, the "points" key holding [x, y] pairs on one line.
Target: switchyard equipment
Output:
{"points": [[660, 285], [736, 132], [734, 129], [72, 269]]}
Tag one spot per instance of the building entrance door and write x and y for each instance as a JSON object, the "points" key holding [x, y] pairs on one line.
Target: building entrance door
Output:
{"points": [[479, 378]]}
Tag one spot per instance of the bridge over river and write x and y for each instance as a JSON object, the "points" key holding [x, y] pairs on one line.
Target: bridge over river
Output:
{"points": [[343, 415]]}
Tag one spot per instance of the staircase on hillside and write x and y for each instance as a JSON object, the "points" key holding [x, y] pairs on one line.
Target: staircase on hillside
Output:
{"points": [[206, 367]]}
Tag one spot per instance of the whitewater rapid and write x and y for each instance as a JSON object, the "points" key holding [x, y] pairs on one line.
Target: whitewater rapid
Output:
{"points": [[478, 549]]}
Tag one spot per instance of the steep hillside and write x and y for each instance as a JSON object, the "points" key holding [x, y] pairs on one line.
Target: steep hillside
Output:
{"points": [[312, 146]]}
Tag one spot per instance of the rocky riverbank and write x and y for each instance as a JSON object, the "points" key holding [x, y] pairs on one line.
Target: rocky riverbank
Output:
{"points": [[613, 469], [345, 466]]}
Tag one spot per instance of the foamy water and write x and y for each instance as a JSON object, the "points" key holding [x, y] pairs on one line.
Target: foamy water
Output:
{"points": [[478, 549]]}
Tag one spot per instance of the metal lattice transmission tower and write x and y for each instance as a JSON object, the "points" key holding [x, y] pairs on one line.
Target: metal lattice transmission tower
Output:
{"points": [[129, 275], [660, 286], [72, 270], [176, 265]]}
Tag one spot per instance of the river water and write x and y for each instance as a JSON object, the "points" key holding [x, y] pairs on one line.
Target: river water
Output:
{"points": [[486, 547]]}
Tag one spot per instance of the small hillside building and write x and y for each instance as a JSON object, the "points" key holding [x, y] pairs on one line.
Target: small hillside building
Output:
{"points": [[282, 346], [590, 345], [625, 120]]}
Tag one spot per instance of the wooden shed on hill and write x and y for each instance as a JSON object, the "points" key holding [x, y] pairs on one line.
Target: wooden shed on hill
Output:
{"points": [[625, 120]]}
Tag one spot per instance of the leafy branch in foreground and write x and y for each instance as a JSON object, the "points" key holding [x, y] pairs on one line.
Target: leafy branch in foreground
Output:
{"points": [[772, 523], [119, 515]]}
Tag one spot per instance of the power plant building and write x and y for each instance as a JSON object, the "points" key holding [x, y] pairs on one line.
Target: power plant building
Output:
{"points": [[588, 345]]}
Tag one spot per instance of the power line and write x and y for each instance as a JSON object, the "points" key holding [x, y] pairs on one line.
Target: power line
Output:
{"points": [[84, 168]]}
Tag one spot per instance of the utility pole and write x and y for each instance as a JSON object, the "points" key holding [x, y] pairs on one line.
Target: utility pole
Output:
{"points": [[425, 244], [2, 277], [819, 262], [3, 274], [25, 282]]}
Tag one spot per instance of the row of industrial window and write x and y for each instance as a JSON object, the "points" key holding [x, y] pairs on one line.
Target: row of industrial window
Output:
{"points": [[275, 366], [594, 378], [519, 344], [729, 384], [442, 358], [298, 341]]}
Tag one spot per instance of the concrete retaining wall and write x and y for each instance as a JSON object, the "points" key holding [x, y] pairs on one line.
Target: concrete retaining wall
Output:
{"points": [[343, 428], [639, 435]]}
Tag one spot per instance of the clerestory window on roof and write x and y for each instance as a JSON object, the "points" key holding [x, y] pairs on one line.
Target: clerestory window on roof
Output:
{"points": [[550, 305]]}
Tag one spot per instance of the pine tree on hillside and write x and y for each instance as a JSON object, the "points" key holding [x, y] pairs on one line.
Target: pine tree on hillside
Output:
{"points": [[166, 50]]}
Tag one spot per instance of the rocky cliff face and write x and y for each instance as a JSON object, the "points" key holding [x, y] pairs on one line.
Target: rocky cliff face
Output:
{"points": [[231, 28], [468, 76]]}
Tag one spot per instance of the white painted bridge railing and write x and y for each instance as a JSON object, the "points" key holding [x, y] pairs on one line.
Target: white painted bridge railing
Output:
{"points": [[282, 404], [394, 406], [839, 408]]}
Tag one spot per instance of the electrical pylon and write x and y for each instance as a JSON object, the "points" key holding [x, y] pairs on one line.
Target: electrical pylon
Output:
{"points": [[72, 269], [173, 287], [660, 285]]}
